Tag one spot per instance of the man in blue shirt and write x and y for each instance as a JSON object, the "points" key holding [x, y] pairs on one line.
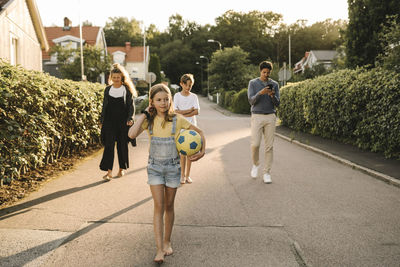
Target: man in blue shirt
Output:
{"points": [[263, 95]]}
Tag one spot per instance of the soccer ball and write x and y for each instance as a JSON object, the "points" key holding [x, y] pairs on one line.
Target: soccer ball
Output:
{"points": [[188, 142]]}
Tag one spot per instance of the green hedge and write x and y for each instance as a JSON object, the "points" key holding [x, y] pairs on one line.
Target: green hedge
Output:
{"points": [[229, 96], [226, 98], [43, 118], [240, 103], [361, 107], [236, 102]]}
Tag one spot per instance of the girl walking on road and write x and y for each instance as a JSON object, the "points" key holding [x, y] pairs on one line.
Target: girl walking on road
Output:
{"points": [[187, 104], [163, 169], [116, 117]]}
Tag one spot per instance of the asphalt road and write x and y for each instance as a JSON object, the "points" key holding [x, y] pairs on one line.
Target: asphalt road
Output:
{"points": [[317, 212]]}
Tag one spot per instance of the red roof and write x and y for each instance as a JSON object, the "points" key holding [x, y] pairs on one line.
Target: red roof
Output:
{"points": [[89, 34], [133, 53]]}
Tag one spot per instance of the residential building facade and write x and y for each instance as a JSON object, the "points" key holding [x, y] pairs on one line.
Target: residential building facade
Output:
{"points": [[23, 37], [315, 57], [69, 36], [135, 59]]}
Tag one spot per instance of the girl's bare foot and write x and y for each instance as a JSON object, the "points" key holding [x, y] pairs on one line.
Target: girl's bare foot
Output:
{"points": [[168, 249], [182, 180], [159, 257]]}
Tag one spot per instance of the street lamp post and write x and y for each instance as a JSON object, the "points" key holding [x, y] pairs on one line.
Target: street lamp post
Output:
{"points": [[208, 75], [83, 77], [201, 75], [215, 41]]}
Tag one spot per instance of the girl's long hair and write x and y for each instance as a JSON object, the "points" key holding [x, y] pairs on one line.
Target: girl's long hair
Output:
{"points": [[153, 112], [126, 80]]}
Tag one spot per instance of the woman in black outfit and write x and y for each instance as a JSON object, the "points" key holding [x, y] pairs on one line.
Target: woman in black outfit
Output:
{"points": [[116, 118]]}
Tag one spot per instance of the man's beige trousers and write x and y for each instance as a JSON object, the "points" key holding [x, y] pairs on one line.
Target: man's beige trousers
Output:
{"points": [[262, 124]]}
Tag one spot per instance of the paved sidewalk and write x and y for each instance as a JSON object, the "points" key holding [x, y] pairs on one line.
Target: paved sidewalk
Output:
{"points": [[371, 163], [374, 164]]}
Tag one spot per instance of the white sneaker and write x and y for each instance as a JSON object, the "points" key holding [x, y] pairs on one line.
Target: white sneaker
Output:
{"points": [[267, 178], [254, 171]]}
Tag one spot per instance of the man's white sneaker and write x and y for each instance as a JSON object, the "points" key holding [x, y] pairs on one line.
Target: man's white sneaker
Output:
{"points": [[254, 171], [267, 178]]}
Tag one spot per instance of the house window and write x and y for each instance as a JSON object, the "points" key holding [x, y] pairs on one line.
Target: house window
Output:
{"points": [[53, 57], [119, 58], [13, 50], [69, 45]]}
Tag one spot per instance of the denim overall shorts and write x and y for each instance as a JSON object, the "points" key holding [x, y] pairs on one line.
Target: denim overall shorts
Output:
{"points": [[164, 162]]}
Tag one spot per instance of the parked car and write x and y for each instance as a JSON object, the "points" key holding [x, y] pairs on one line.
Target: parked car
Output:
{"points": [[139, 99]]}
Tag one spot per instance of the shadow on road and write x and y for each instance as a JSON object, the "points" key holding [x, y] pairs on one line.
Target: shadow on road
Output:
{"points": [[132, 171], [14, 214], [46, 198], [49, 197], [29, 255]]}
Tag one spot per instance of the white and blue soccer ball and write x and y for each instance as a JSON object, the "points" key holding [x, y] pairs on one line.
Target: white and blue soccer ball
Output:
{"points": [[188, 142]]}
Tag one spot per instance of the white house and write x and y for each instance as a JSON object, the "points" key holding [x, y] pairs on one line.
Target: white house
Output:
{"points": [[135, 59], [315, 57], [69, 36], [22, 34]]}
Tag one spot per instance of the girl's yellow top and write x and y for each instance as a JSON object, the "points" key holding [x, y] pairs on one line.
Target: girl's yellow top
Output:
{"points": [[159, 131]]}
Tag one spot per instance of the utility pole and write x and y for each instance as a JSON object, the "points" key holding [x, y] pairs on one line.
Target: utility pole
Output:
{"points": [[290, 58], [201, 75], [80, 37], [144, 52], [284, 73], [208, 75]]}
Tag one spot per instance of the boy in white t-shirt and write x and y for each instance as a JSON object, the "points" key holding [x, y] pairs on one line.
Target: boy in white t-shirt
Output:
{"points": [[187, 104]]}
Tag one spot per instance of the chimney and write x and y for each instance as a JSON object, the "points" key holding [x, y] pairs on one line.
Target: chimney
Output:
{"points": [[67, 24], [127, 46]]}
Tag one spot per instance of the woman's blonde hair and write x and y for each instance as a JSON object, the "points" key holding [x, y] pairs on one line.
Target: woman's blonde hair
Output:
{"points": [[126, 80], [153, 112]]}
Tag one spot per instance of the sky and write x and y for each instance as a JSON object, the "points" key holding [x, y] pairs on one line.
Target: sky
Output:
{"points": [[203, 12]]}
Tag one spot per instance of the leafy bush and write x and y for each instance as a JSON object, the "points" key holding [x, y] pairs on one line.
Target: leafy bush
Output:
{"points": [[142, 87], [229, 69], [228, 100], [43, 118], [69, 60], [221, 97], [240, 102], [142, 105], [354, 106], [389, 37]]}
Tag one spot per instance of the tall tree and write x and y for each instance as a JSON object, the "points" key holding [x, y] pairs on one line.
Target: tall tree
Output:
{"points": [[176, 27], [366, 18], [94, 60], [155, 67], [229, 69], [251, 31], [390, 39], [325, 35], [119, 30], [176, 59], [155, 38], [180, 48]]}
